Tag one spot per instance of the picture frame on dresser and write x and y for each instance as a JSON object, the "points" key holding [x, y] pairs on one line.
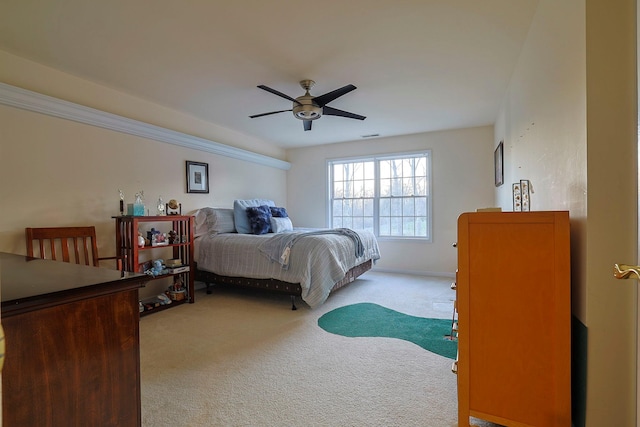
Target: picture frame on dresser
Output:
{"points": [[197, 177]]}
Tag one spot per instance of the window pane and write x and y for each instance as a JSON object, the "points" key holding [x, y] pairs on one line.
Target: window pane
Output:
{"points": [[358, 189], [368, 224], [347, 208], [385, 169], [385, 226], [358, 171], [385, 207], [421, 186], [421, 227], [396, 187], [369, 188], [385, 188], [396, 168], [408, 207], [369, 171], [357, 208], [421, 206], [421, 166], [407, 187], [368, 207], [396, 226], [396, 207], [408, 226], [338, 174], [358, 223], [337, 208]]}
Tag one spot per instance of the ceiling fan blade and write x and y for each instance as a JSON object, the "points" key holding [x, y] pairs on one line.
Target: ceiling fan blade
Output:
{"points": [[275, 92], [267, 114], [307, 124], [330, 111], [322, 100]]}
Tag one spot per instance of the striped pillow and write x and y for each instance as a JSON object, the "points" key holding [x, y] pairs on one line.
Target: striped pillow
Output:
{"points": [[214, 221]]}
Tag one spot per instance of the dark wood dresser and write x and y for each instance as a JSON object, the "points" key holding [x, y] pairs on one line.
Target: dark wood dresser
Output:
{"points": [[72, 344]]}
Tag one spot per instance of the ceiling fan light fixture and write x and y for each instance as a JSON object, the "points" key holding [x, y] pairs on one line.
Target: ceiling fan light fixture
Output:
{"points": [[307, 112]]}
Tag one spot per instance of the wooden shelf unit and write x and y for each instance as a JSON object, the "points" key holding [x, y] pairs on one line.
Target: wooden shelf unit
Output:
{"points": [[127, 227], [513, 297]]}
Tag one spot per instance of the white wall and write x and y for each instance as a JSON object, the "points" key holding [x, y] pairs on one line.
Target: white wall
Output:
{"points": [[56, 172], [569, 122], [463, 180], [543, 121]]}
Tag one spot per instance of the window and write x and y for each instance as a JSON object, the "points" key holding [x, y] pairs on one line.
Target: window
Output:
{"points": [[388, 195]]}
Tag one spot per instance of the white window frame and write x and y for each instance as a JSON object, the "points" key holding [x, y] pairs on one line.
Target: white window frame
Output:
{"points": [[376, 159]]}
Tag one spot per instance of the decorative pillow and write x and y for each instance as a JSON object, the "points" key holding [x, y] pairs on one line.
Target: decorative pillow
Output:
{"points": [[201, 221], [214, 221], [279, 224], [279, 212], [259, 219], [240, 213]]}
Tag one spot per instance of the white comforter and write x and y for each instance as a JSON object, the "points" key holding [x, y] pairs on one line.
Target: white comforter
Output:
{"points": [[317, 262]]}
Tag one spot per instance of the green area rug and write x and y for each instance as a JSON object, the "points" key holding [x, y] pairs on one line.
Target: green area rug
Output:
{"points": [[373, 320]]}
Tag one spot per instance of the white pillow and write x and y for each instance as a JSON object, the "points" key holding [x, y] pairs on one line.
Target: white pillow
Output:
{"points": [[240, 213], [214, 221], [200, 222], [279, 225]]}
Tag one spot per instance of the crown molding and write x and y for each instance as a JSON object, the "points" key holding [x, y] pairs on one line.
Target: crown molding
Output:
{"points": [[33, 101]]}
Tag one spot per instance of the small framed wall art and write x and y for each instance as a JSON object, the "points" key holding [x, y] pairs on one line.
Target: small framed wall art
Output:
{"points": [[526, 195], [517, 197], [498, 161], [197, 177]]}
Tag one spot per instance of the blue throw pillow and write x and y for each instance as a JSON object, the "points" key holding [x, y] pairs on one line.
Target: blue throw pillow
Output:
{"points": [[240, 212], [279, 212], [259, 219]]}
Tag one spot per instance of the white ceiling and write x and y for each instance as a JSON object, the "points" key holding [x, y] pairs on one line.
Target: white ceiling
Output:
{"points": [[419, 65]]}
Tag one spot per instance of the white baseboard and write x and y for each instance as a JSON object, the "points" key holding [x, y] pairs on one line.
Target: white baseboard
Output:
{"points": [[415, 272]]}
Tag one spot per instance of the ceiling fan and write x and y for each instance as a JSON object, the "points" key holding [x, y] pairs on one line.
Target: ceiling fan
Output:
{"points": [[308, 108]]}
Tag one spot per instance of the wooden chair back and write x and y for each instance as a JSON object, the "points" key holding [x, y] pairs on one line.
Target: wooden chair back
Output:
{"points": [[69, 244]]}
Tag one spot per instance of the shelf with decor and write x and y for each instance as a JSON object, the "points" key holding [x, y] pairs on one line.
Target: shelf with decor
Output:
{"points": [[159, 235]]}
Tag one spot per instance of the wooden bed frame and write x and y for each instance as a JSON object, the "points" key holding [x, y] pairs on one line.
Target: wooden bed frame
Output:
{"points": [[273, 285]]}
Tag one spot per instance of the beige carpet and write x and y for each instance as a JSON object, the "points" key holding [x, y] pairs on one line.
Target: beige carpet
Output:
{"points": [[245, 359]]}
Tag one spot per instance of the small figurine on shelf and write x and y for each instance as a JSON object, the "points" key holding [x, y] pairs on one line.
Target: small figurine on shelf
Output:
{"points": [[141, 240], [157, 268], [177, 284], [174, 208], [177, 291], [137, 207], [161, 206], [173, 237], [121, 202], [164, 300], [157, 238]]}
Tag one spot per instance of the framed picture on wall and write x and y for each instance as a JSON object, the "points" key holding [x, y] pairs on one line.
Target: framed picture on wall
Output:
{"points": [[498, 163], [197, 177]]}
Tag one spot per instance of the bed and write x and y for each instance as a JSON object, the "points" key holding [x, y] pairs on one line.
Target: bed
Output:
{"points": [[317, 261]]}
